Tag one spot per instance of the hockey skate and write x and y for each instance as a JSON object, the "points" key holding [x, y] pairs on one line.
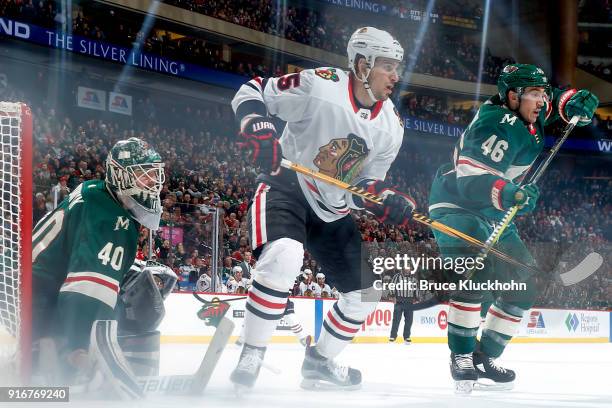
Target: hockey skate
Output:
{"points": [[463, 372], [250, 362], [490, 375], [321, 373]]}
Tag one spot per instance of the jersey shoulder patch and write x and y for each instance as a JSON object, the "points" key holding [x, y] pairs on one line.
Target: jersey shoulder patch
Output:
{"points": [[329, 74]]}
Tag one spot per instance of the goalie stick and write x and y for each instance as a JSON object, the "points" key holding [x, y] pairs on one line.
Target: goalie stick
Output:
{"points": [[213, 313], [588, 265]]}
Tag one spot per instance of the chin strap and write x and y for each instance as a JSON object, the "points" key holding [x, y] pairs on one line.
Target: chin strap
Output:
{"points": [[366, 84]]}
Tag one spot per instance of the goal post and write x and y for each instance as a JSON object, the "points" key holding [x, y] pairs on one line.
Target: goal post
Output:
{"points": [[16, 200]]}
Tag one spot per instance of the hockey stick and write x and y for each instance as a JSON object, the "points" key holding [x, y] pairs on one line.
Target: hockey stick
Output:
{"points": [[509, 216], [358, 191], [587, 266]]}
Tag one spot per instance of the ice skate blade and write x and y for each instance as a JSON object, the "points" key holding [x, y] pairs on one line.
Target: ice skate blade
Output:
{"points": [[242, 390], [464, 387], [493, 386], [318, 385]]}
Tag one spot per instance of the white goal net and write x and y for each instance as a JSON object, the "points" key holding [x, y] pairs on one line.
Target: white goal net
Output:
{"points": [[15, 240]]}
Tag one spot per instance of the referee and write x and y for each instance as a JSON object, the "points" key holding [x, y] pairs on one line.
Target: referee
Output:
{"points": [[403, 299]]}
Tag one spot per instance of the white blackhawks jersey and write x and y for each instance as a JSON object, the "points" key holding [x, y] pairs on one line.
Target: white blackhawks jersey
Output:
{"points": [[326, 131]]}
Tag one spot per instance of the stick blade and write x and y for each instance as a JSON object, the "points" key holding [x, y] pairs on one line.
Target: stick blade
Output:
{"points": [[213, 353], [583, 270]]}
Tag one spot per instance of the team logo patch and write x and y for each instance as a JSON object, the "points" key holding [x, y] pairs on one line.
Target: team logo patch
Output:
{"points": [[508, 69], [327, 73], [401, 121], [342, 158], [214, 310]]}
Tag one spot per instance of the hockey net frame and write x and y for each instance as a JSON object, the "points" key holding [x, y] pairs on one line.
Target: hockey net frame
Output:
{"points": [[16, 201]]}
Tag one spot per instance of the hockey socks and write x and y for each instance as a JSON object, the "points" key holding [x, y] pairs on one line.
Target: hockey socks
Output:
{"points": [[501, 324], [338, 331], [264, 308], [463, 323]]}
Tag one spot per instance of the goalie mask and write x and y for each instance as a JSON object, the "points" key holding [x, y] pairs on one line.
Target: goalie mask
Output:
{"points": [[135, 174], [372, 43]]}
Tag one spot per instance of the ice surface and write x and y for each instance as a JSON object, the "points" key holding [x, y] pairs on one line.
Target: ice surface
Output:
{"points": [[548, 375], [396, 375]]}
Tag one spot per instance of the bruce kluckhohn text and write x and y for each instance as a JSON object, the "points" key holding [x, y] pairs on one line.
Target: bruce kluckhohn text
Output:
{"points": [[467, 285]]}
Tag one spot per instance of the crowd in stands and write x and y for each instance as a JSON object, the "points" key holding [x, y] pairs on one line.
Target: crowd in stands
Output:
{"points": [[206, 172], [595, 11], [601, 70], [445, 55], [448, 56]]}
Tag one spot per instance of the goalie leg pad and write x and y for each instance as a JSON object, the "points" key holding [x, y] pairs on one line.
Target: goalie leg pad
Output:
{"points": [[110, 360], [141, 351]]}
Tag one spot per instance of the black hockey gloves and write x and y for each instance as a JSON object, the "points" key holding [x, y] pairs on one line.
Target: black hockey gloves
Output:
{"points": [[260, 137], [397, 207]]}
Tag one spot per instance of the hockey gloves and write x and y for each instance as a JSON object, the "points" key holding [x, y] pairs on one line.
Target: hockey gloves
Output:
{"points": [[260, 137], [581, 103], [397, 207], [526, 197]]}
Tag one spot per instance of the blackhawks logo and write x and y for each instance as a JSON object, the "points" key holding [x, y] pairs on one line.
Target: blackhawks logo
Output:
{"points": [[327, 73], [342, 158]]}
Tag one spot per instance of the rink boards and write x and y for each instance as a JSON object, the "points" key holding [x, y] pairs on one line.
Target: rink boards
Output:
{"points": [[182, 324]]}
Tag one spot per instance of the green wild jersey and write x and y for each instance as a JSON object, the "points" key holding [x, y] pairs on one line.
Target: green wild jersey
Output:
{"points": [[80, 253], [496, 147]]}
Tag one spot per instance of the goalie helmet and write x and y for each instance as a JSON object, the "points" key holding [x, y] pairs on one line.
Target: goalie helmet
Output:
{"points": [[372, 43], [517, 77], [135, 174]]}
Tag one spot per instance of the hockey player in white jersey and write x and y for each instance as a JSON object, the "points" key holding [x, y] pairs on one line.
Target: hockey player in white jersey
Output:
{"points": [[343, 125]]}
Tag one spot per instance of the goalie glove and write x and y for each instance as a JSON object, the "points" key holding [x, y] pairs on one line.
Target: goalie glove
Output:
{"points": [[260, 137], [397, 207]]}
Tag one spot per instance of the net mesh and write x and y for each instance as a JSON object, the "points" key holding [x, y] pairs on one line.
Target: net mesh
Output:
{"points": [[10, 233]]}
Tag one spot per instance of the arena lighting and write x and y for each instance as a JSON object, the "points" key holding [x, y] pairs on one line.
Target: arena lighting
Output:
{"points": [[418, 43], [281, 24], [147, 24], [483, 47]]}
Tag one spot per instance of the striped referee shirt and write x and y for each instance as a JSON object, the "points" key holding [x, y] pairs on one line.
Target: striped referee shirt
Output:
{"points": [[402, 292]]}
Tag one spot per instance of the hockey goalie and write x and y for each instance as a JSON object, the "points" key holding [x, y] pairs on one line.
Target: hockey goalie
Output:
{"points": [[89, 297]]}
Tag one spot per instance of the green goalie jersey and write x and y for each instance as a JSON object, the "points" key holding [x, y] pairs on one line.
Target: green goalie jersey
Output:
{"points": [[80, 253], [496, 145]]}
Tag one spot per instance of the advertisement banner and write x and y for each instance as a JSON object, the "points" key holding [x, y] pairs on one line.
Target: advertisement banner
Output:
{"points": [[554, 323], [452, 130], [91, 98], [182, 323], [120, 103], [118, 54]]}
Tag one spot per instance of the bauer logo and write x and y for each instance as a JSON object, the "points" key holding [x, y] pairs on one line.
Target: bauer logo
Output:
{"points": [[442, 320], [571, 322]]}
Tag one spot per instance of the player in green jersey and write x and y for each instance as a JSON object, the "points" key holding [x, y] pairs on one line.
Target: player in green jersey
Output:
{"points": [[83, 249], [473, 192]]}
